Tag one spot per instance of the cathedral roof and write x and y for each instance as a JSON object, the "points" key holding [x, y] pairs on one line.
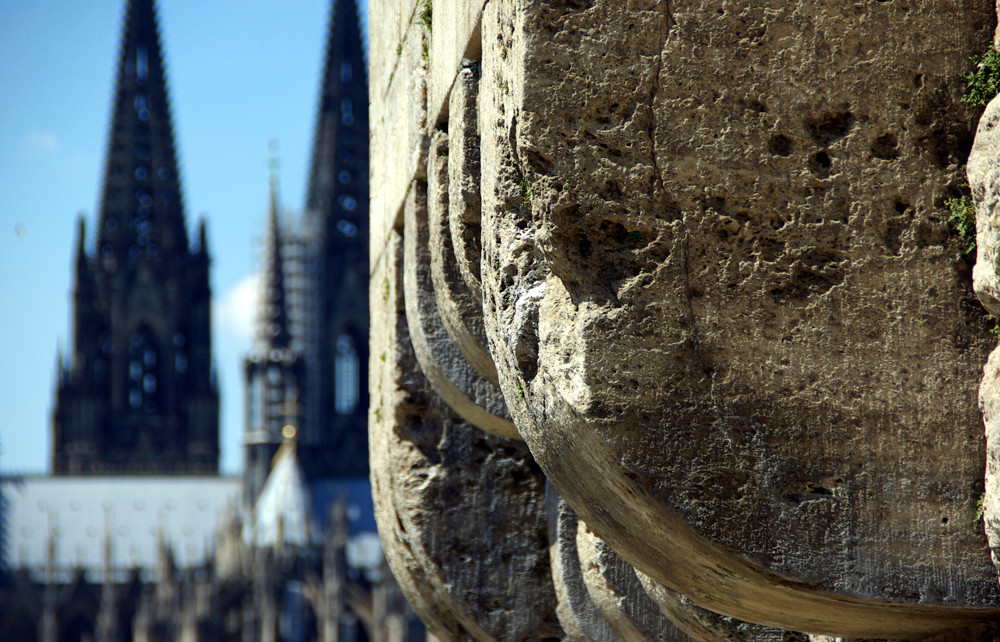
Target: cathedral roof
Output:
{"points": [[141, 208], [78, 514]]}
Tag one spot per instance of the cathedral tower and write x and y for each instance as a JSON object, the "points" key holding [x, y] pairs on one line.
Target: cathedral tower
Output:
{"points": [[138, 393], [333, 439], [274, 367]]}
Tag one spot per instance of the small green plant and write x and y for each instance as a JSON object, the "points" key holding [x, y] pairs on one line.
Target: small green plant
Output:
{"points": [[381, 357], [963, 216], [635, 237], [425, 14], [424, 52], [983, 82], [399, 49], [525, 193], [520, 390], [385, 286], [996, 327], [979, 508]]}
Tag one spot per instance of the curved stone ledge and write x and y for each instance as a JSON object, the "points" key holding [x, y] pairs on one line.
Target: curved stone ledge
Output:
{"points": [[618, 596], [727, 311], [472, 397], [464, 217], [461, 513], [461, 310]]}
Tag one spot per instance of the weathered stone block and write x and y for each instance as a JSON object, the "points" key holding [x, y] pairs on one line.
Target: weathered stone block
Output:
{"points": [[461, 513], [441, 359], [398, 120], [728, 315]]}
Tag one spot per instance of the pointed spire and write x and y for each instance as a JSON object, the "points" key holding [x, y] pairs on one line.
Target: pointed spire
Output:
{"points": [[141, 209], [343, 109], [81, 241], [274, 319]]}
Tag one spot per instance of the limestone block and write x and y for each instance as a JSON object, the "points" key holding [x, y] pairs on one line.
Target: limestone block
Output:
{"points": [[577, 613], [618, 596], [398, 121], [455, 380], [461, 513], [464, 213], [454, 37], [983, 170], [727, 312], [460, 309], [702, 624]]}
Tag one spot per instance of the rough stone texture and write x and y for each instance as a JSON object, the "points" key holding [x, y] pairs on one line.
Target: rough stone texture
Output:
{"points": [[702, 624], [728, 314], [465, 213], [460, 310], [458, 384], [454, 37], [577, 613], [618, 596], [984, 180], [461, 514], [983, 171], [397, 114]]}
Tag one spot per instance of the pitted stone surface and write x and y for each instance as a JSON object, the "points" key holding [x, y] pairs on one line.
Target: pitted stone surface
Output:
{"points": [[460, 309], [461, 513], [984, 180], [453, 378], [578, 615], [727, 311], [618, 596]]}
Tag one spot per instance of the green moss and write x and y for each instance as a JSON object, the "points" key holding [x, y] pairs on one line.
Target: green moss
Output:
{"points": [[979, 508], [983, 82], [425, 14], [525, 193], [963, 217]]}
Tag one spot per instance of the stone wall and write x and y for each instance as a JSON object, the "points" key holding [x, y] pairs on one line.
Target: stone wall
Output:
{"points": [[697, 256]]}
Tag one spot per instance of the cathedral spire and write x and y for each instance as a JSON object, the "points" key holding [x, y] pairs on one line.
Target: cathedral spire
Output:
{"points": [[343, 101], [141, 208], [140, 395], [274, 331]]}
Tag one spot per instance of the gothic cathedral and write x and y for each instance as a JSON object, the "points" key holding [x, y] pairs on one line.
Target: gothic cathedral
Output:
{"points": [[138, 393]]}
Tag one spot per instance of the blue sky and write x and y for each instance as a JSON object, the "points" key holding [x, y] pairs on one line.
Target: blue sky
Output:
{"points": [[239, 75]]}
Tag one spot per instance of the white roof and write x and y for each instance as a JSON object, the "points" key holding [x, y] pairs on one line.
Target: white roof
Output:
{"points": [[80, 513], [283, 510]]}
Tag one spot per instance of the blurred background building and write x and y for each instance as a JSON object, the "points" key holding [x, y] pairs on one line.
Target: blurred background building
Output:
{"points": [[136, 536]]}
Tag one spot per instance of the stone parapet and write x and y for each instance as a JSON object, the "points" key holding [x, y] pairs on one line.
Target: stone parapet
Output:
{"points": [[698, 257]]}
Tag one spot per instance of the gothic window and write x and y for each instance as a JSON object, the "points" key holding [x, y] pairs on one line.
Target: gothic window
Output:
{"points": [[344, 177], [346, 111], [141, 62], [143, 388], [348, 202], [345, 71], [346, 228], [345, 376], [142, 108]]}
